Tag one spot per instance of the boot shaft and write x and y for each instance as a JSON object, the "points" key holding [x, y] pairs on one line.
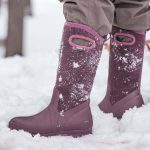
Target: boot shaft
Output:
{"points": [[125, 63], [79, 57], [125, 70]]}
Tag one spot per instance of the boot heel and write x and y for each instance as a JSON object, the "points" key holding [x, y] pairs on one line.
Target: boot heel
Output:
{"points": [[131, 103]]}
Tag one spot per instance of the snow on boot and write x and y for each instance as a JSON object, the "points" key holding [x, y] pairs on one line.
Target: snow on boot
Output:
{"points": [[125, 69], [69, 111]]}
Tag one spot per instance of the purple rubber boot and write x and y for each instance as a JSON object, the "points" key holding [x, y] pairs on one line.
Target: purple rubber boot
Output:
{"points": [[69, 111], [125, 69]]}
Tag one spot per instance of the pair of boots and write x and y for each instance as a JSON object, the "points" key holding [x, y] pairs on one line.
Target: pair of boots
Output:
{"points": [[69, 111]]}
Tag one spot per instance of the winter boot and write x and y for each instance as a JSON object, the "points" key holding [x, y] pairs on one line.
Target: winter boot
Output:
{"points": [[69, 111], [125, 69]]}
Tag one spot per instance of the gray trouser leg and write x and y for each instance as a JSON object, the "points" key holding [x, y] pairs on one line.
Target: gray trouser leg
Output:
{"points": [[99, 14], [102, 14], [132, 14]]}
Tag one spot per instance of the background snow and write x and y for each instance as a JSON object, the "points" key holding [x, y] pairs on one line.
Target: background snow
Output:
{"points": [[26, 85]]}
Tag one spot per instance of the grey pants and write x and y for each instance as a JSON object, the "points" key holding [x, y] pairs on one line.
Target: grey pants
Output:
{"points": [[103, 14]]}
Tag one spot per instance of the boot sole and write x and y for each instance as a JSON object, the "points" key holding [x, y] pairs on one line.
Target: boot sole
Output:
{"points": [[73, 133]]}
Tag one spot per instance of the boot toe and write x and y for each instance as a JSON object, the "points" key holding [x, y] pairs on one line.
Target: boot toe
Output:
{"points": [[22, 123], [15, 124], [36, 124]]}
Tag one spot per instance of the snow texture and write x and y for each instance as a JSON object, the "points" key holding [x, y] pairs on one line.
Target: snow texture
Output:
{"points": [[76, 65], [26, 85]]}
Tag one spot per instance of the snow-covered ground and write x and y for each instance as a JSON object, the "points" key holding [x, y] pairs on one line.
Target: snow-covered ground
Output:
{"points": [[26, 84]]}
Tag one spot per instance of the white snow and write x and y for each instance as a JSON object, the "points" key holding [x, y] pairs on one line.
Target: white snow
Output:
{"points": [[26, 84], [61, 96], [60, 79], [76, 65], [62, 113]]}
